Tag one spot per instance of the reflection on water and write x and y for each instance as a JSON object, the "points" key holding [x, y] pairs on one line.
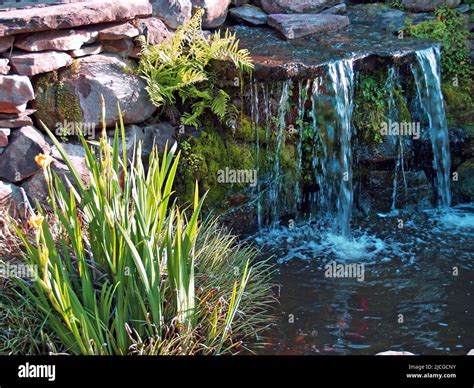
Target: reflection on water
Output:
{"points": [[416, 294]]}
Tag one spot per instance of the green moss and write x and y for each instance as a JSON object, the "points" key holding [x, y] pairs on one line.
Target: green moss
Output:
{"points": [[205, 155], [55, 103], [370, 106], [459, 104], [67, 105], [449, 28]]}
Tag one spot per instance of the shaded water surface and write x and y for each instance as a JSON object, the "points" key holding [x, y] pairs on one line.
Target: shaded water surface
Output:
{"points": [[421, 268]]}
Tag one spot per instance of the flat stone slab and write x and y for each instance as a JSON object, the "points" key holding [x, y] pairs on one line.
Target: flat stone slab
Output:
{"points": [[70, 15], [16, 122], [297, 6], [61, 40], [15, 92], [37, 63], [277, 58], [118, 31], [249, 14], [299, 25]]}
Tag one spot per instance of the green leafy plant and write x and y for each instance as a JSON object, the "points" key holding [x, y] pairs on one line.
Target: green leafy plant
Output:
{"points": [[178, 71], [449, 28], [370, 106], [125, 274]]}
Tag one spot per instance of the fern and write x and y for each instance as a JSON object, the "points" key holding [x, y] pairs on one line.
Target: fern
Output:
{"points": [[178, 71]]}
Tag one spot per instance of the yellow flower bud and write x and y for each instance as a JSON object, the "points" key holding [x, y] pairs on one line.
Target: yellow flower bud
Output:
{"points": [[43, 160], [36, 221]]}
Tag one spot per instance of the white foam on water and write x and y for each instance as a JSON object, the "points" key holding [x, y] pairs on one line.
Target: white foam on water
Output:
{"points": [[458, 217], [308, 242]]}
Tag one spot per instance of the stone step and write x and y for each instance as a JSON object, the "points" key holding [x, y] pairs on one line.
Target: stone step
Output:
{"points": [[294, 26], [71, 15]]}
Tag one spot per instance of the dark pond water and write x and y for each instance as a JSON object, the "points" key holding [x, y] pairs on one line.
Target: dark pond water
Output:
{"points": [[416, 292]]}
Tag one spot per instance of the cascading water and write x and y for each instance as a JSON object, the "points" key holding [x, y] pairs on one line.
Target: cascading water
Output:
{"points": [[303, 89], [427, 73], [341, 75]]}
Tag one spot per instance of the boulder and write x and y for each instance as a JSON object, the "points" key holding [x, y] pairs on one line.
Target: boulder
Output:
{"points": [[61, 40], [161, 134], [4, 68], [173, 13], [37, 63], [299, 25], [15, 92], [92, 49], [103, 74], [64, 16], [216, 11], [4, 133], [12, 201], [153, 29], [157, 135], [18, 160], [428, 5], [249, 14], [298, 6], [6, 43]]}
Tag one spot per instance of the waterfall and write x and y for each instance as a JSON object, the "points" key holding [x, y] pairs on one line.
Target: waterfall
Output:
{"points": [[427, 74], [275, 187], [341, 75], [303, 89], [255, 115]]}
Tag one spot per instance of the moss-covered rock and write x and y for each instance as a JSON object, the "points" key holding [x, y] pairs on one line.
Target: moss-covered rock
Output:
{"points": [[466, 180]]}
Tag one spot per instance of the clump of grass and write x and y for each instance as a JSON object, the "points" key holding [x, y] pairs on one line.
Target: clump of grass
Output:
{"points": [[131, 272]]}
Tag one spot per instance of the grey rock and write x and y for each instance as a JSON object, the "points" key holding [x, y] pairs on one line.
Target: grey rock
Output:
{"points": [[299, 25], [173, 13], [298, 6], [103, 74], [249, 14], [215, 12], [12, 201]]}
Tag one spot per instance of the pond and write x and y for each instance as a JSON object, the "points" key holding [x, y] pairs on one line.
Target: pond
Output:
{"points": [[410, 286]]}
